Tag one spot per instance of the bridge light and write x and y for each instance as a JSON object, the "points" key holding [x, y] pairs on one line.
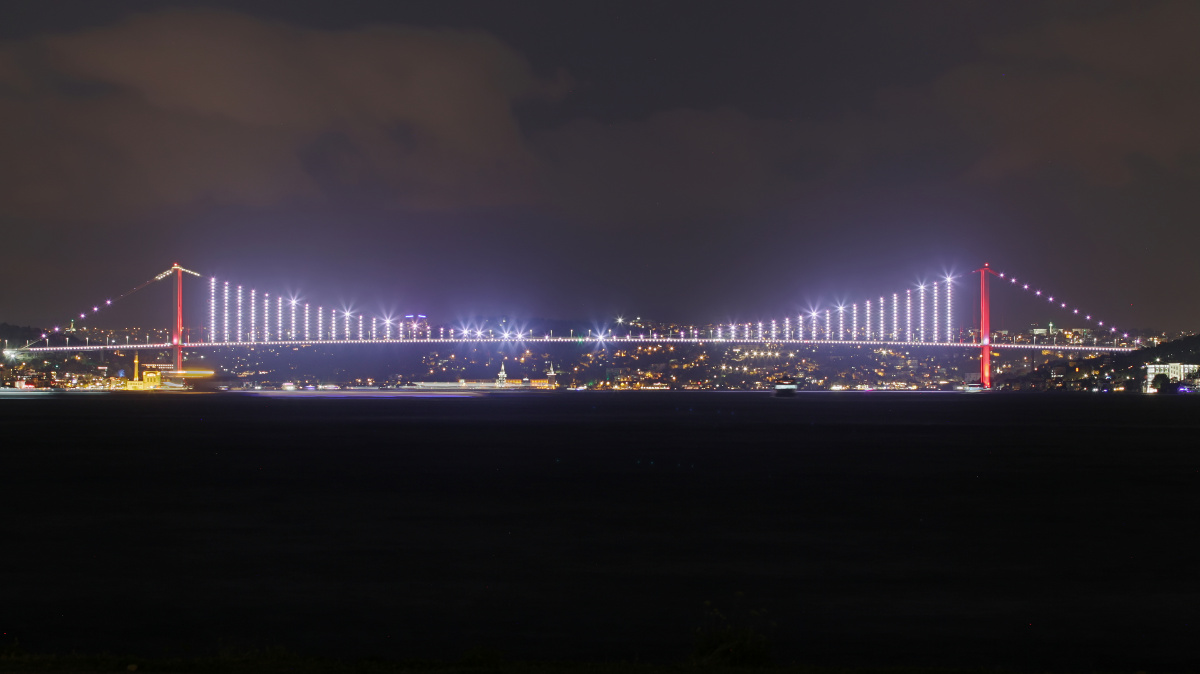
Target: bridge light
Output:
{"points": [[949, 311], [895, 316], [908, 331], [921, 300], [935, 312], [212, 309], [239, 314]]}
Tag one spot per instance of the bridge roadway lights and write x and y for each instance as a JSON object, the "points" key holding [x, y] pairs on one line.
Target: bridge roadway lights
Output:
{"points": [[577, 340]]}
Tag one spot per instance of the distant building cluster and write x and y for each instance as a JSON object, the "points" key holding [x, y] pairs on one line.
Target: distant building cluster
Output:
{"points": [[709, 363]]}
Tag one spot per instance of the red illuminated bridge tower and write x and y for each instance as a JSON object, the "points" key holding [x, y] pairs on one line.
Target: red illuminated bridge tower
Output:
{"points": [[985, 328], [177, 333]]}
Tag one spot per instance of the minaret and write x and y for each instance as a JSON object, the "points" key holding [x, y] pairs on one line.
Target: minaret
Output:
{"points": [[135, 365], [552, 377], [502, 377]]}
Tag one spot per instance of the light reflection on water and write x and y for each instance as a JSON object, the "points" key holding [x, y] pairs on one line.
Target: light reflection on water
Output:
{"points": [[381, 393]]}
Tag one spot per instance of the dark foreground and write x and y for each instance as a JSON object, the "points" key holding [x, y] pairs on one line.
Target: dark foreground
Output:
{"points": [[1021, 532]]}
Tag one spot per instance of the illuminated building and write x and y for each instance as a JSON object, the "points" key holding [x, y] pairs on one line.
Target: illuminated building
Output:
{"points": [[1176, 372]]}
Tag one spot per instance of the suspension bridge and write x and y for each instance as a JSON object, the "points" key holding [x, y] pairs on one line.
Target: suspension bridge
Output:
{"points": [[917, 317]]}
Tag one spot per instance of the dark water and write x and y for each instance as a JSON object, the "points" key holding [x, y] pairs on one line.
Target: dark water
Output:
{"points": [[874, 529]]}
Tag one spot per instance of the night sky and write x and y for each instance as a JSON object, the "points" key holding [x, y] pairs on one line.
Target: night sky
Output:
{"points": [[693, 161]]}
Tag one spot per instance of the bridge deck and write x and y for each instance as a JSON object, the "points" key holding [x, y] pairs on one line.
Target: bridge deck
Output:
{"points": [[583, 340]]}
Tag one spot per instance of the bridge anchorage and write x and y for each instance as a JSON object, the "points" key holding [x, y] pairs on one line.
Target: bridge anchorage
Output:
{"points": [[240, 318]]}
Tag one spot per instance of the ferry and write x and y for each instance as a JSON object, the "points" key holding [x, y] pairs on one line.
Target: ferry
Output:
{"points": [[785, 387]]}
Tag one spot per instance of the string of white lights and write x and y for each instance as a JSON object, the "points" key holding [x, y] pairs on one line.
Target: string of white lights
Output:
{"points": [[1062, 305]]}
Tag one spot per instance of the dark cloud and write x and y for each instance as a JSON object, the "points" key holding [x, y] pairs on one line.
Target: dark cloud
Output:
{"points": [[1093, 95], [167, 109], [679, 165], [174, 108], [872, 140]]}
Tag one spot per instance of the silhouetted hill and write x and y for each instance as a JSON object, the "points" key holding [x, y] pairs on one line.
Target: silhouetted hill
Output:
{"points": [[1185, 350], [17, 335]]}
